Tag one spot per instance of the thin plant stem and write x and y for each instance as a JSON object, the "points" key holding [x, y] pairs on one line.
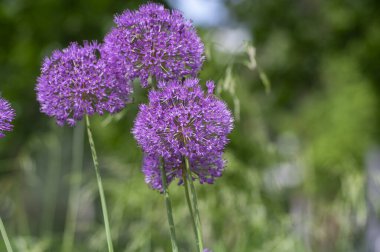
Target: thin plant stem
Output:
{"points": [[5, 236], [53, 178], [75, 182], [100, 185], [195, 205], [189, 204], [168, 208]]}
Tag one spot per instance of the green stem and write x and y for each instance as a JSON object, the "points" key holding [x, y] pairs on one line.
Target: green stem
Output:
{"points": [[100, 186], [5, 236], [168, 208], [187, 194], [195, 204], [76, 178], [53, 178]]}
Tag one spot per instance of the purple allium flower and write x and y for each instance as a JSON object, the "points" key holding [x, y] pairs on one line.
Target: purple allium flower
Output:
{"points": [[75, 82], [7, 114], [153, 41], [182, 121]]}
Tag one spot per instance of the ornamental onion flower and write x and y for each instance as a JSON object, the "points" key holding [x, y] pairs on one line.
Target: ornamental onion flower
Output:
{"points": [[7, 114], [74, 82], [182, 121], [153, 42]]}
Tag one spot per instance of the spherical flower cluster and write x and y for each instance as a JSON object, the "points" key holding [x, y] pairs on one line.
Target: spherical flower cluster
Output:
{"points": [[182, 121], [75, 82], [7, 114], [153, 42]]}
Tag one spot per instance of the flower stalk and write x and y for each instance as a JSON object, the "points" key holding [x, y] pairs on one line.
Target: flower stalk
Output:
{"points": [[100, 185], [187, 195], [5, 236], [193, 205], [169, 213], [72, 211]]}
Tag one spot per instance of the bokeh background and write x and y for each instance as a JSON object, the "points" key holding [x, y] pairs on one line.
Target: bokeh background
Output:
{"points": [[303, 174]]}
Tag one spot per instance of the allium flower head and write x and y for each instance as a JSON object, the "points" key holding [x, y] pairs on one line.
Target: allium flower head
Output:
{"points": [[74, 82], [182, 121], [153, 41], [7, 114]]}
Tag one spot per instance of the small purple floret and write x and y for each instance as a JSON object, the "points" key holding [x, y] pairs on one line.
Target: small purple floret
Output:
{"points": [[182, 121], [7, 114], [74, 82], [153, 42], [152, 172]]}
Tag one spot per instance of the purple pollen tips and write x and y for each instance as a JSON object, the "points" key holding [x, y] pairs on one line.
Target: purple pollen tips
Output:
{"points": [[75, 82], [153, 42], [181, 120], [7, 114]]}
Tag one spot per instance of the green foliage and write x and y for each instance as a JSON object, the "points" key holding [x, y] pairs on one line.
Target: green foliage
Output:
{"points": [[305, 96]]}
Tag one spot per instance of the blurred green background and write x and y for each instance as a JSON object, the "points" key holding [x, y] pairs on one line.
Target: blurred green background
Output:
{"points": [[303, 166]]}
